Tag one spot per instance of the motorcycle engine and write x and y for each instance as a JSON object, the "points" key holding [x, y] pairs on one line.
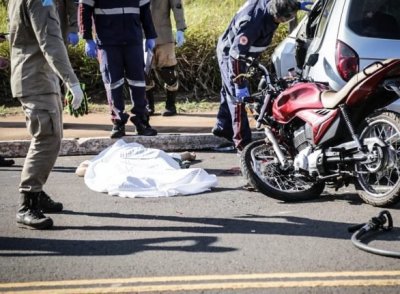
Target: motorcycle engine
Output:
{"points": [[307, 158]]}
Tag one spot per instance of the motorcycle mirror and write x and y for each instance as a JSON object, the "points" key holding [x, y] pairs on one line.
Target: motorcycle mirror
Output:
{"points": [[312, 59]]}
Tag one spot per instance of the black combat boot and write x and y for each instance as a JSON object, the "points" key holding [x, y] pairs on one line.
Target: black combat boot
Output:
{"points": [[219, 132], [29, 214], [170, 108], [6, 162], [150, 102], [118, 129], [46, 204], [143, 128]]}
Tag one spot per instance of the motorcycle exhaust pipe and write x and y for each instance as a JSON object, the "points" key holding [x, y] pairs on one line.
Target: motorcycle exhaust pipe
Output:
{"points": [[281, 157]]}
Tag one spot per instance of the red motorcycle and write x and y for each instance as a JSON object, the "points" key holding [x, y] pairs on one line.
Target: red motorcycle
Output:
{"points": [[317, 137]]}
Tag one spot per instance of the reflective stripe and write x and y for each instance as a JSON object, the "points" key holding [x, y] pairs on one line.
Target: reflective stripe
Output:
{"points": [[87, 2], [240, 21], [234, 54], [255, 49], [143, 2], [136, 83], [112, 11], [115, 85]]}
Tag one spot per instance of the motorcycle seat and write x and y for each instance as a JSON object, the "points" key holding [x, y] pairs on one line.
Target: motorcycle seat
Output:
{"points": [[331, 99]]}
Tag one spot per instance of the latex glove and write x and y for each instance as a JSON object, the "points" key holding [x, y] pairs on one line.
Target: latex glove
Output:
{"points": [[180, 38], [241, 93], [73, 39], [77, 95], [150, 44], [91, 49], [303, 5], [47, 2]]}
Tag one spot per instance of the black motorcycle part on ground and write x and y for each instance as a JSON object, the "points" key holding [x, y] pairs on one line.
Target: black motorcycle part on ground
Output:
{"points": [[375, 225]]}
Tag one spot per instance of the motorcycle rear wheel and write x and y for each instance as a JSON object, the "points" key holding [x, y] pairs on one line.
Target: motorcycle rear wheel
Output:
{"points": [[378, 183], [260, 167]]}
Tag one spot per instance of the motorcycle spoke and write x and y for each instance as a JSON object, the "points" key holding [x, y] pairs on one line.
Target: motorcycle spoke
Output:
{"points": [[269, 171], [383, 181]]}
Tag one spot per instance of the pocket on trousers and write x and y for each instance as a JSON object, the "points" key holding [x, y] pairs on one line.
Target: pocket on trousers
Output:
{"points": [[40, 123]]}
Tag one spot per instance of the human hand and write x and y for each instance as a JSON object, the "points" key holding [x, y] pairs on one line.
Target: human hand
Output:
{"points": [[47, 2], [241, 93], [303, 5], [91, 49], [150, 44], [180, 38], [73, 39], [77, 95]]}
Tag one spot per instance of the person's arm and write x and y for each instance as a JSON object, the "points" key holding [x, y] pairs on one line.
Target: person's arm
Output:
{"points": [[72, 16], [85, 14], [179, 14], [147, 20], [72, 22], [240, 49], [46, 26]]}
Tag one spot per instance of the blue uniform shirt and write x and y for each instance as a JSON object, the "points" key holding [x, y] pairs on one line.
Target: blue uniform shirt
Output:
{"points": [[117, 22], [249, 33]]}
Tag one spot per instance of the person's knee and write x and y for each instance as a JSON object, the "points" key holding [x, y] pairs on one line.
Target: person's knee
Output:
{"points": [[170, 78]]}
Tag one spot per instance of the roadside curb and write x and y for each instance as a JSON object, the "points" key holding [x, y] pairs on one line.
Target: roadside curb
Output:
{"points": [[93, 146]]}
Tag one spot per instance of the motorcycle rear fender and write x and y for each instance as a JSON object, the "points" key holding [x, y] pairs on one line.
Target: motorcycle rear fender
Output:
{"points": [[375, 74]]}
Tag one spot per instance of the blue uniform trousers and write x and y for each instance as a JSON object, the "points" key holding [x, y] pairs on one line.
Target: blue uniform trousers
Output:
{"points": [[232, 117], [118, 63]]}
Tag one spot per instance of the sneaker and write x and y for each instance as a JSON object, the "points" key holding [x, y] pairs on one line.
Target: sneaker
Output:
{"points": [[34, 219], [118, 131], [46, 204]]}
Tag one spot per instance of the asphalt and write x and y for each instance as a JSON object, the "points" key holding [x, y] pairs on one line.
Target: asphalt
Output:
{"points": [[89, 134]]}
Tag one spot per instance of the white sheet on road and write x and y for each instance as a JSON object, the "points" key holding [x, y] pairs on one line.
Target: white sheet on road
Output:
{"points": [[131, 170]]}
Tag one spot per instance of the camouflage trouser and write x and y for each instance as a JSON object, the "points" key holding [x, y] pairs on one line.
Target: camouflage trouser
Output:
{"points": [[164, 56], [43, 115]]}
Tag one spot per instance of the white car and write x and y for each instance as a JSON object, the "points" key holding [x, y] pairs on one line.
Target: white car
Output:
{"points": [[338, 38]]}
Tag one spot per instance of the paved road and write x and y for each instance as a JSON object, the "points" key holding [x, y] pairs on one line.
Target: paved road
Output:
{"points": [[229, 240]]}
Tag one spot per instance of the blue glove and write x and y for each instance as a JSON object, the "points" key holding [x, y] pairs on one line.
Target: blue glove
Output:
{"points": [[150, 44], [73, 39], [91, 49], [47, 2], [241, 93], [303, 5], [180, 38]]}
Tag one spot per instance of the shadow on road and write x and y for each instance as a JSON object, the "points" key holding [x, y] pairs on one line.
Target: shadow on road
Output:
{"points": [[247, 224], [46, 247]]}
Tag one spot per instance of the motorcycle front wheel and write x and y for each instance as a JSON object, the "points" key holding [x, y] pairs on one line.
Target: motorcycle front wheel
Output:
{"points": [[378, 181], [262, 170]]}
